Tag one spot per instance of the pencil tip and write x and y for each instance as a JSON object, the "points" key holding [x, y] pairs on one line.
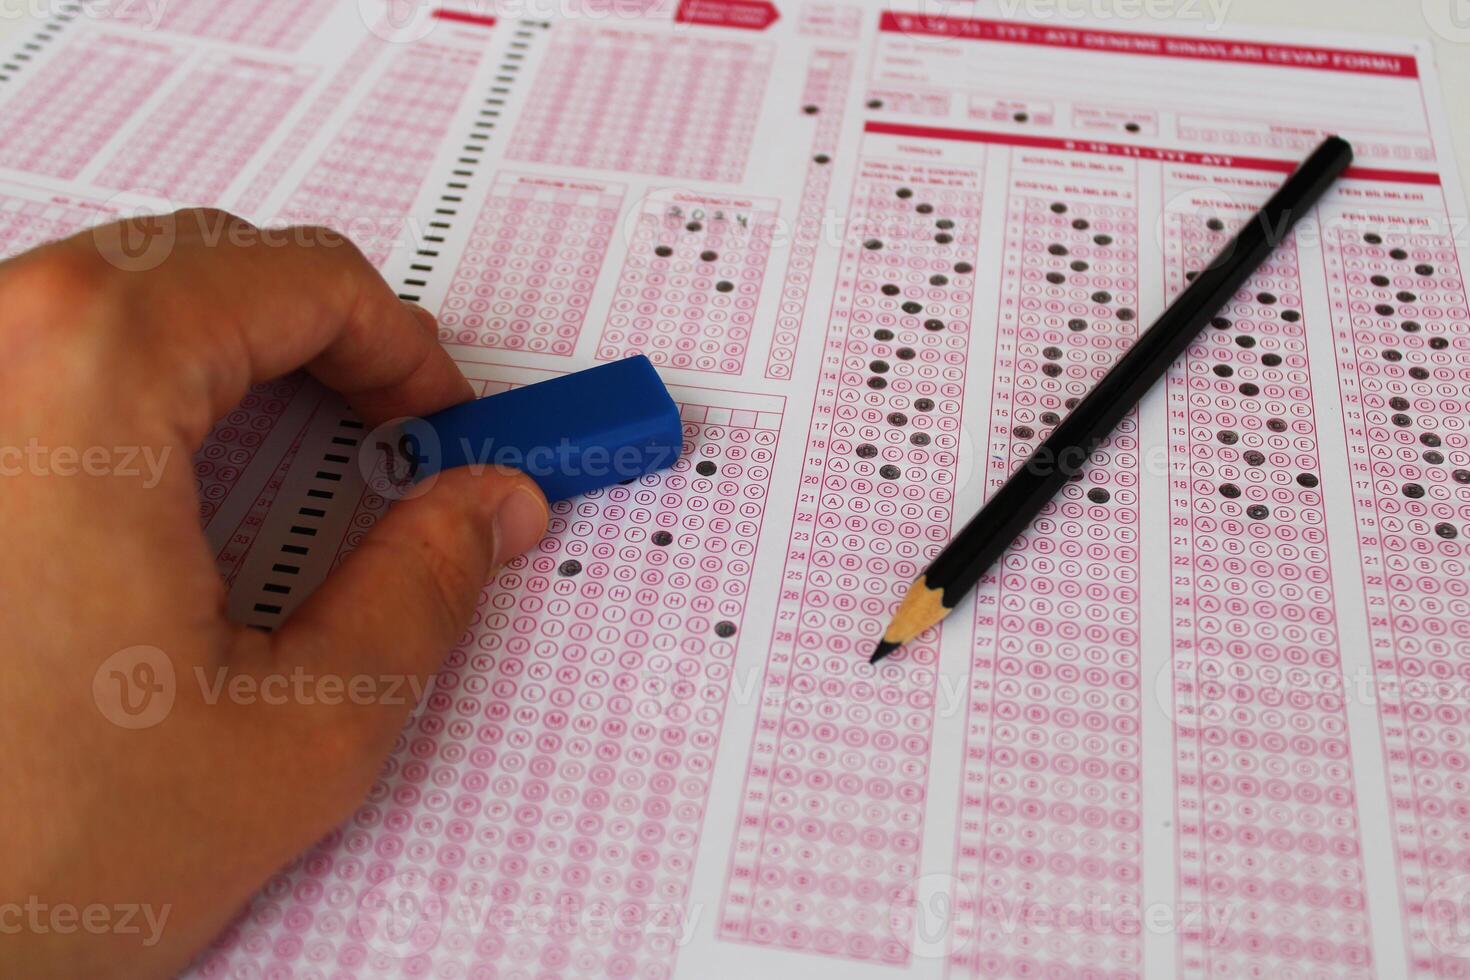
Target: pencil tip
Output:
{"points": [[884, 648]]}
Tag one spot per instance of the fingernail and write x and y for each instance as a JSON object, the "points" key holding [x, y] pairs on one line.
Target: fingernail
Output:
{"points": [[519, 524]]}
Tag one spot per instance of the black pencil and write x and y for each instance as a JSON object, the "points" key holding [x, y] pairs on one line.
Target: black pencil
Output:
{"points": [[1063, 454]]}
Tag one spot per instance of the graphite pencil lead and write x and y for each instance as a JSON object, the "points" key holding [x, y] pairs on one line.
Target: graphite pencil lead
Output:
{"points": [[883, 649]]}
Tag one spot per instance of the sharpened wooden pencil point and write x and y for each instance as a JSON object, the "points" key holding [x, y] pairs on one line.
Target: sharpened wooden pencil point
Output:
{"points": [[962, 563], [921, 608]]}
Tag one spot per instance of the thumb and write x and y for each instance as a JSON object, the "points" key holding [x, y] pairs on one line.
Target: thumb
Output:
{"points": [[401, 600]]}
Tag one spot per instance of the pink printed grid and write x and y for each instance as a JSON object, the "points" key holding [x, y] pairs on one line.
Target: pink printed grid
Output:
{"points": [[26, 223], [675, 106], [1268, 842], [1401, 325], [365, 182], [232, 554], [280, 24], [322, 106], [690, 283], [1253, 136], [827, 846], [527, 274], [205, 132], [64, 115], [902, 103], [236, 439], [1048, 852], [544, 809], [831, 21], [827, 80]]}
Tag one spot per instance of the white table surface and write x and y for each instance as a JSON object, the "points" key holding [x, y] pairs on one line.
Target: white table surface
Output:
{"points": [[1446, 23]]}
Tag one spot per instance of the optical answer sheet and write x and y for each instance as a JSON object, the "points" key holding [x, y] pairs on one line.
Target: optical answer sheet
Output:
{"points": [[1208, 719]]}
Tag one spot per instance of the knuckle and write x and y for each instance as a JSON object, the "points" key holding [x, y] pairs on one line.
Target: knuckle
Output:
{"points": [[322, 236], [51, 302], [205, 219], [55, 278], [341, 266]]}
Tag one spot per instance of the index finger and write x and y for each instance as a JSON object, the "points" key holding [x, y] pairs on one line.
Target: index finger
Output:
{"points": [[233, 304]]}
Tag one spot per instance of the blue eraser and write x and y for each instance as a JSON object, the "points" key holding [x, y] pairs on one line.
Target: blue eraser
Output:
{"points": [[596, 428]]}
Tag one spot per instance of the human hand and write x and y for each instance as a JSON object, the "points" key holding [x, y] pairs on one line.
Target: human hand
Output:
{"points": [[182, 821]]}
